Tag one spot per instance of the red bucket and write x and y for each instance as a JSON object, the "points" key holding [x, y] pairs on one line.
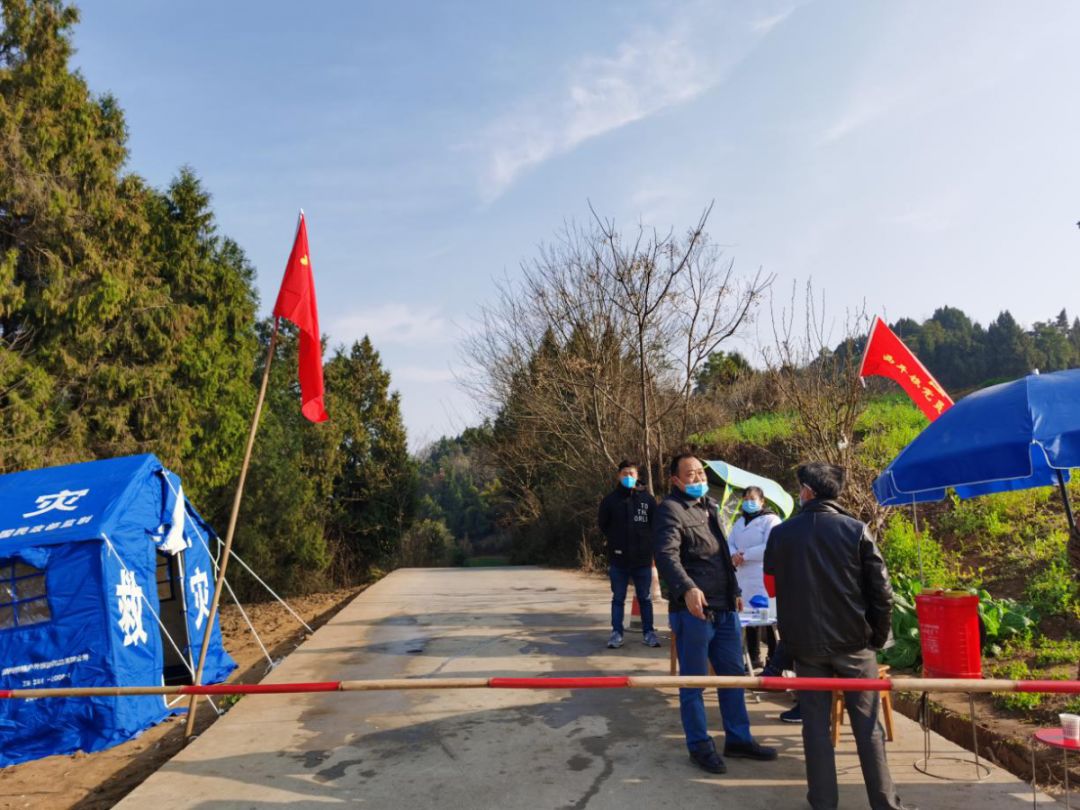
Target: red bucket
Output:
{"points": [[949, 634]]}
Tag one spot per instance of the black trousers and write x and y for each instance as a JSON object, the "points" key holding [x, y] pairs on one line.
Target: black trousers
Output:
{"points": [[862, 707], [753, 642]]}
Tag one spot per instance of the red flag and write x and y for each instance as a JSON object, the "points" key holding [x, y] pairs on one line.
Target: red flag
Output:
{"points": [[887, 356], [296, 302]]}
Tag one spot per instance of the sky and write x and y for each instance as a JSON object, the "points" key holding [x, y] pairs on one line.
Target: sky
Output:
{"points": [[902, 155]]}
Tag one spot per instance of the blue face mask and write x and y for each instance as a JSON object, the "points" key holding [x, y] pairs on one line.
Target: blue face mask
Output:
{"points": [[697, 490], [628, 481], [751, 507]]}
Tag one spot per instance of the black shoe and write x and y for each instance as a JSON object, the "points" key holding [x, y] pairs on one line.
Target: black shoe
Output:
{"points": [[749, 750], [792, 715], [705, 757]]}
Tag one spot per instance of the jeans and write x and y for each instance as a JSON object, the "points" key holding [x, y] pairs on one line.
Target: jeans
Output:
{"points": [[620, 579], [700, 642], [869, 739]]}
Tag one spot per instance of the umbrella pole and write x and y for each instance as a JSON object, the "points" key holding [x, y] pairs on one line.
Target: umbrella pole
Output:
{"points": [[1065, 500], [1074, 534], [918, 542]]}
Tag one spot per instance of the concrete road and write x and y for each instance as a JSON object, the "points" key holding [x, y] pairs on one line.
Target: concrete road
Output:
{"points": [[507, 749]]}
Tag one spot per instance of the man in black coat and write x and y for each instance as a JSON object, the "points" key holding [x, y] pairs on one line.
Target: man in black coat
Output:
{"points": [[834, 605], [625, 518], [694, 559]]}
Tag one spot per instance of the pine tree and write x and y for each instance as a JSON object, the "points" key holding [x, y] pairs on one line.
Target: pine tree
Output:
{"points": [[375, 489], [1009, 347], [126, 322]]}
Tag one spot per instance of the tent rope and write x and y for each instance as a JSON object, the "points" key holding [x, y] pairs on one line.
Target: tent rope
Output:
{"points": [[195, 530], [270, 590], [164, 631], [236, 557], [240, 607]]}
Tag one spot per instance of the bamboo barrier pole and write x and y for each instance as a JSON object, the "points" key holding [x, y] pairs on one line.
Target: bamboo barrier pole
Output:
{"points": [[757, 683]]}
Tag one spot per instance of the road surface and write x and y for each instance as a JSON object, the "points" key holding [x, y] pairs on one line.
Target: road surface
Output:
{"points": [[506, 749]]}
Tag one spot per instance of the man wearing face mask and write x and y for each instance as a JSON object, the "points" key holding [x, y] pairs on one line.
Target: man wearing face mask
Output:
{"points": [[694, 560], [834, 605], [626, 516]]}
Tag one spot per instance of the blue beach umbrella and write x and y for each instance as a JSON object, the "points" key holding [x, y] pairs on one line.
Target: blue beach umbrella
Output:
{"points": [[1017, 435]]}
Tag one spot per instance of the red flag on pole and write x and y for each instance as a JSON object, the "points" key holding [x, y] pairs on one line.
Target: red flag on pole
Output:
{"points": [[887, 356], [296, 302]]}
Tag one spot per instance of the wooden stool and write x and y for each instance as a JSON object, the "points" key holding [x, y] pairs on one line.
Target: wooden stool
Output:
{"points": [[673, 660], [886, 709]]}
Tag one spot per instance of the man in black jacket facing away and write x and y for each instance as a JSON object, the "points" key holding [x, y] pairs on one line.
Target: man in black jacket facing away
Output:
{"points": [[625, 518], [834, 605], [694, 560]]}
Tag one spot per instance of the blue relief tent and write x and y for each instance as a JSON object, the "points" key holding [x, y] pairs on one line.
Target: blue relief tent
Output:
{"points": [[106, 579]]}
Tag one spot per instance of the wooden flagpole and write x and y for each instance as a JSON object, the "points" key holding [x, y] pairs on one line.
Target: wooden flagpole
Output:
{"points": [[219, 582]]}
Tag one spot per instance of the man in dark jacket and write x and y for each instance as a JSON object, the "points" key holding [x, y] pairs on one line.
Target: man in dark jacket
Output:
{"points": [[694, 560], [834, 605], [625, 518]]}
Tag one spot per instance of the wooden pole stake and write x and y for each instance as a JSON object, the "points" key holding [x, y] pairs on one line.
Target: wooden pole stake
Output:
{"points": [[218, 585]]}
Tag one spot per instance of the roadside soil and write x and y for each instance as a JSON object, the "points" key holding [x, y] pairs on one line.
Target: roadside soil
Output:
{"points": [[98, 781]]}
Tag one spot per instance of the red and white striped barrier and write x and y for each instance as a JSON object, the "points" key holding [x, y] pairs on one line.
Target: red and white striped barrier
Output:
{"points": [[602, 682]]}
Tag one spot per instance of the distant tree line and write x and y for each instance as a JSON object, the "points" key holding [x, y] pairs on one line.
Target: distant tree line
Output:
{"points": [[560, 368], [128, 325], [959, 352], [963, 354]]}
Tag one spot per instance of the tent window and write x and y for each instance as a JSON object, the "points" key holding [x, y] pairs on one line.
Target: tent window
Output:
{"points": [[166, 578], [23, 600]]}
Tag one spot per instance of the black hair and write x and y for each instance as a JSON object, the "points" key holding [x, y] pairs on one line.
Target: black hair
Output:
{"points": [[754, 491], [624, 464], [676, 461], [827, 480]]}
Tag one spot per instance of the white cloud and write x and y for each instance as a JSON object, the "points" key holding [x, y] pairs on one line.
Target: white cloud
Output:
{"points": [[865, 109], [392, 323], [651, 71], [767, 24], [921, 63], [601, 95]]}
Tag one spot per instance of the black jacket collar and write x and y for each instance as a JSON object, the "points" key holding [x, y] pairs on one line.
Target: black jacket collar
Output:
{"points": [[825, 505], [687, 502]]}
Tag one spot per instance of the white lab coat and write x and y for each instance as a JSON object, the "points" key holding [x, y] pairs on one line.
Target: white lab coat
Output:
{"points": [[750, 538]]}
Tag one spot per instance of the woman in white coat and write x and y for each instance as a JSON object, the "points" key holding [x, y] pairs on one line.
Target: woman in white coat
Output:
{"points": [[747, 543]]}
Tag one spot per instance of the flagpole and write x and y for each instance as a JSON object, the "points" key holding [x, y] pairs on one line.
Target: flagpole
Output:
{"points": [[218, 584], [866, 349]]}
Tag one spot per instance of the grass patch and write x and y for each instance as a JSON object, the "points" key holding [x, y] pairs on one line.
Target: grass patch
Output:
{"points": [[902, 547], [761, 429], [1016, 701], [487, 561], [1053, 591], [1049, 653]]}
